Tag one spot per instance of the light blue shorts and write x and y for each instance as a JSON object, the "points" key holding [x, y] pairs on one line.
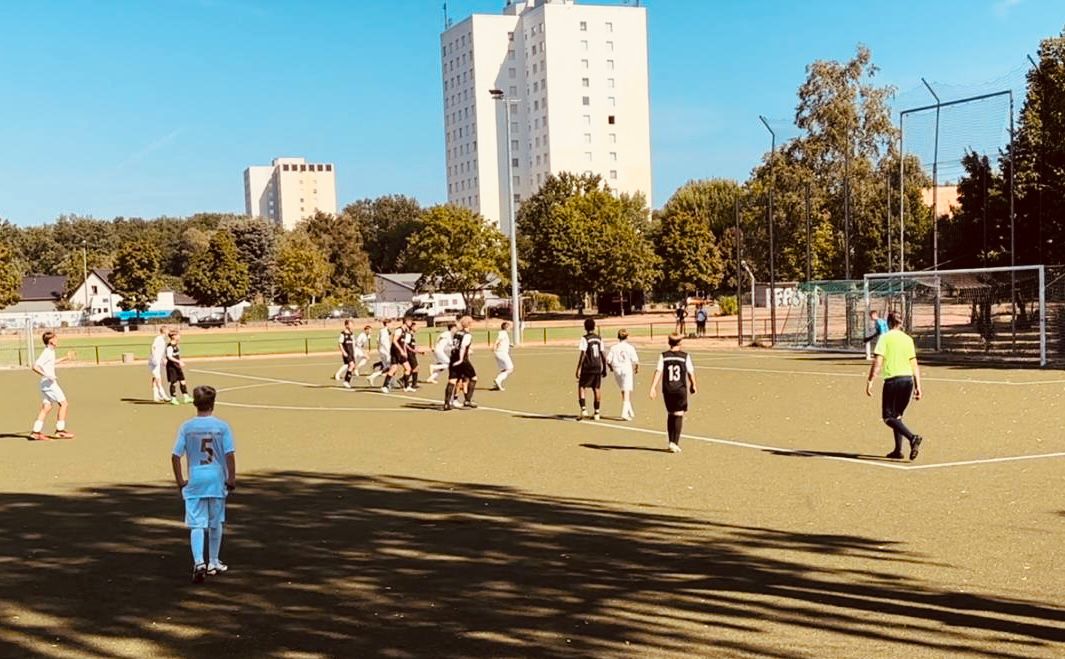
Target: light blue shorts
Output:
{"points": [[204, 512]]}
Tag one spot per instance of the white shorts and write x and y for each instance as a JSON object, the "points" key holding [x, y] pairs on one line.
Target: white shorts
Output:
{"points": [[204, 512], [504, 362], [625, 380], [51, 392], [360, 354], [157, 370], [442, 360], [385, 358]]}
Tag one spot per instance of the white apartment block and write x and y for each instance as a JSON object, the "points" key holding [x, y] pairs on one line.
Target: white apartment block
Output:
{"points": [[289, 190], [578, 74]]}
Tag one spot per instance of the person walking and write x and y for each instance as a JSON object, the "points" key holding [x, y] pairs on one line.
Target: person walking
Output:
{"points": [[880, 327], [896, 358], [624, 363]]}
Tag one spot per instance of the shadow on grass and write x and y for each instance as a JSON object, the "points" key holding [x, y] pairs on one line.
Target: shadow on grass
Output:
{"points": [[142, 401], [15, 435], [799, 453], [618, 447], [344, 565]]}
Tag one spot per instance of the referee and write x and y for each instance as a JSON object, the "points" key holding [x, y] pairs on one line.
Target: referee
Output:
{"points": [[897, 358]]}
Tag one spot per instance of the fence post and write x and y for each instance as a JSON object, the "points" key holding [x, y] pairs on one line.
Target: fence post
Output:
{"points": [[97, 355], [652, 330], [20, 356], [545, 335], [240, 352], [306, 347]]}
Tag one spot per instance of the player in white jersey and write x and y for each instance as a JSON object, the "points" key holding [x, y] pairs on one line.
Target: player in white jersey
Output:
{"points": [[441, 353], [502, 354], [362, 348], [51, 393], [625, 364], [384, 352], [206, 443], [156, 364]]}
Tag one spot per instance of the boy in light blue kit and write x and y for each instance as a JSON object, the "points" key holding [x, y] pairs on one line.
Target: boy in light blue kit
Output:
{"points": [[207, 445]]}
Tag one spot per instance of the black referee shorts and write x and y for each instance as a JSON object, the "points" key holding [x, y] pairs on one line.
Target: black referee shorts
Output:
{"points": [[896, 397]]}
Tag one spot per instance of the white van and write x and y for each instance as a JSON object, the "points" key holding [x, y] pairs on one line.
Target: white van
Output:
{"points": [[430, 305]]}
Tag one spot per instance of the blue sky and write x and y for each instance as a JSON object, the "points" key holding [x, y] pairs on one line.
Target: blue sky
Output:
{"points": [[142, 109]]}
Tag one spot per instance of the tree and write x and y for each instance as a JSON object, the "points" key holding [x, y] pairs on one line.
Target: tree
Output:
{"points": [[456, 251], [303, 271], [386, 224], [690, 259], [10, 276], [216, 277], [257, 243], [338, 237], [711, 201], [136, 275]]}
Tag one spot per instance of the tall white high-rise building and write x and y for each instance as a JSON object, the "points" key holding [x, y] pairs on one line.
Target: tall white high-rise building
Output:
{"points": [[289, 190], [578, 74]]}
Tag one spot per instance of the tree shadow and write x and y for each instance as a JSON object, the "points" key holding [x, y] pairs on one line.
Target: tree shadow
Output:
{"points": [[345, 565], [618, 447]]}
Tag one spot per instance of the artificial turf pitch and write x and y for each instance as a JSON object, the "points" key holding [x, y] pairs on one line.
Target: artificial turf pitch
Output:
{"points": [[366, 524]]}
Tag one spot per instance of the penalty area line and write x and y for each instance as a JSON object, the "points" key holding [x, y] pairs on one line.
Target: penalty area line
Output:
{"points": [[308, 408]]}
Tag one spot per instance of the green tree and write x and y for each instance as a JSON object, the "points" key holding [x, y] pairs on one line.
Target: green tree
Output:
{"points": [[711, 201], [216, 277], [136, 275], [303, 270], [691, 262], [339, 239], [386, 224], [456, 251], [10, 276], [257, 244]]}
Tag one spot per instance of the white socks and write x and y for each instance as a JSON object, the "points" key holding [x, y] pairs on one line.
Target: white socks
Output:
{"points": [[196, 538], [38, 426], [214, 538], [340, 372], [60, 425], [502, 377]]}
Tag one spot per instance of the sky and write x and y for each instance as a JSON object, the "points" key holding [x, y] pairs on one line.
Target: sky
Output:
{"points": [[141, 109]]}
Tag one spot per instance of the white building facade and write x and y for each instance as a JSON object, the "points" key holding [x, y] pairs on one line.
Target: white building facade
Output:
{"points": [[578, 76], [289, 190]]}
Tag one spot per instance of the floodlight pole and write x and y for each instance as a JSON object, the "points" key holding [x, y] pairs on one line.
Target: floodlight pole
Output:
{"points": [[515, 294], [809, 236], [902, 195], [739, 277], [1039, 174], [772, 246], [1013, 245], [935, 181], [85, 278], [751, 275]]}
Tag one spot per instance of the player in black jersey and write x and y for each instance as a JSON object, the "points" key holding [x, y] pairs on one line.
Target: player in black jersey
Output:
{"points": [[346, 344], [460, 369], [591, 366], [399, 359], [412, 354], [677, 374]]}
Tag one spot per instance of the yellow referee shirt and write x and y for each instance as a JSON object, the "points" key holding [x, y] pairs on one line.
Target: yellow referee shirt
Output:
{"points": [[896, 347]]}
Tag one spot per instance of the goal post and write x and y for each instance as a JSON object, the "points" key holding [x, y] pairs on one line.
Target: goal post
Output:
{"points": [[984, 314]]}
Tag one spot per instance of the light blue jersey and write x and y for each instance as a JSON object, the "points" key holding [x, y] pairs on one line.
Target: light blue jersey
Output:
{"points": [[881, 327], [205, 441]]}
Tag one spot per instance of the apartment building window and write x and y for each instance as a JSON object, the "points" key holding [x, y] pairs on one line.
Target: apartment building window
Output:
{"points": [[609, 26], [284, 168], [536, 123], [610, 83], [584, 26], [512, 72], [513, 127], [613, 138], [517, 181], [610, 46], [613, 173], [539, 178], [538, 161], [584, 64], [534, 49], [587, 119], [513, 91], [613, 156], [585, 100], [536, 86], [610, 101], [610, 120], [585, 82], [536, 68], [537, 142], [510, 36], [610, 65], [514, 145], [587, 138], [584, 45], [513, 162], [536, 105], [588, 156], [511, 54]]}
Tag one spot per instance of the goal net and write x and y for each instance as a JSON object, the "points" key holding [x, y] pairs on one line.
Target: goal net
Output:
{"points": [[984, 314]]}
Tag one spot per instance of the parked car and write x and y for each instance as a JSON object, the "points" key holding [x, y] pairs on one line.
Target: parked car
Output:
{"points": [[289, 317]]}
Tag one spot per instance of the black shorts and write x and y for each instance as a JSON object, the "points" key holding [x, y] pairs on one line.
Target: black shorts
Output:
{"points": [[675, 401], [591, 380], [174, 373], [896, 397], [462, 371], [347, 359], [398, 357], [412, 357]]}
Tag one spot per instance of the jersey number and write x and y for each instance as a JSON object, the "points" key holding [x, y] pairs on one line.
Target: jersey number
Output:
{"points": [[673, 373], [207, 450], [595, 351]]}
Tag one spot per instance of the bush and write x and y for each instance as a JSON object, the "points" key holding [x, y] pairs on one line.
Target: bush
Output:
{"points": [[318, 311], [255, 312], [545, 302], [728, 305]]}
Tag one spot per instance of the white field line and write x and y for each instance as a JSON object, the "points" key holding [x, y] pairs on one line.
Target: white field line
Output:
{"points": [[307, 408], [249, 386], [709, 440], [778, 371]]}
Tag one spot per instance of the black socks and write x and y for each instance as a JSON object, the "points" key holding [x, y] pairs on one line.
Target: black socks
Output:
{"points": [[674, 424], [470, 386]]}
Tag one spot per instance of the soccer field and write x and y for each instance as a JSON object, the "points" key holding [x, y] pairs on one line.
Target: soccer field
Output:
{"points": [[368, 524]]}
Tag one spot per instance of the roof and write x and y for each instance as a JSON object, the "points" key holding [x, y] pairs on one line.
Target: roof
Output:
{"points": [[405, 279], [105, 275], [184, 300], [42, 287]]}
